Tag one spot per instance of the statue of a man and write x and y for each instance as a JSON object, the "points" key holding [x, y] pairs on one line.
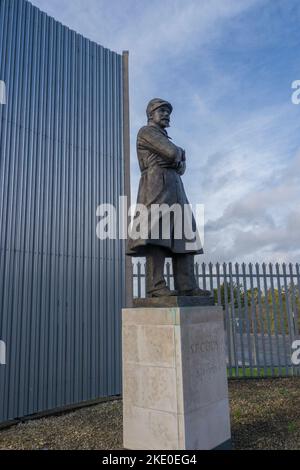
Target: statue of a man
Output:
{"points": [[161, 164]]}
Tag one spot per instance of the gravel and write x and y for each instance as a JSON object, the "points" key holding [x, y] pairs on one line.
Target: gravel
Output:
{"points": [[265, 414], [96, 427]]}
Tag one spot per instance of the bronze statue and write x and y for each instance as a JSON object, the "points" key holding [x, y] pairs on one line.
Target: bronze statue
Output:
{"points": [[161, 164]]}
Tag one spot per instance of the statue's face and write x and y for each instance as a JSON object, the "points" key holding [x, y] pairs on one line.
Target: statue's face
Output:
{"points": [[161, 116]]}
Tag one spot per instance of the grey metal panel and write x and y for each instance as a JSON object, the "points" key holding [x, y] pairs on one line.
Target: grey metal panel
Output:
{"points": [[61, 155]]}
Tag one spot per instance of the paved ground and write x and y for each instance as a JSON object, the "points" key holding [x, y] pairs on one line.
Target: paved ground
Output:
{"points": [[265, 414]]}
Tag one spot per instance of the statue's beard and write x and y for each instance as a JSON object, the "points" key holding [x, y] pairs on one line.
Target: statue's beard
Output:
{"points": [[161, 123]]}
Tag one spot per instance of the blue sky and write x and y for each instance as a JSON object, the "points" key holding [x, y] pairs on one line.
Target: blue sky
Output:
{"points": [[227, 67]]}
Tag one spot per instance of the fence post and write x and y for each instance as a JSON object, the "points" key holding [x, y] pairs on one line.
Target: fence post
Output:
{"points": [[283, 332], [197, 273], [241, 317], [218, 284], [168, 275], [248, 330], [139, 279], [227, 320], [204, 275], [267, 312], [232, 320]]}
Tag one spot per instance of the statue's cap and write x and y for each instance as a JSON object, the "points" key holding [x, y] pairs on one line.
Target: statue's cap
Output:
{"points": [[157, 103]]}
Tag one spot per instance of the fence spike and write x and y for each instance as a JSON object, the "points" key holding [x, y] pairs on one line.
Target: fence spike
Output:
{"points": [[270, 267], [284, 268]]}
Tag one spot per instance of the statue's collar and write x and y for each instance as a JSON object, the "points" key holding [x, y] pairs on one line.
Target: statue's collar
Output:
{"points": [[163, 131]]}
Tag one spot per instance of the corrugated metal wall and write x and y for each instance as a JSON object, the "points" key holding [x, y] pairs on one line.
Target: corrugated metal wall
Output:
{"points": [[61, 155]]}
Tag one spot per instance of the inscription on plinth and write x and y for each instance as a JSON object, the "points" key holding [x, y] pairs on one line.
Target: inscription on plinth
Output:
{"points": [[175, 392]]}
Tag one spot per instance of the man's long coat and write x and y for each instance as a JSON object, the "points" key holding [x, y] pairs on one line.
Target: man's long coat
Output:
{"points": [[161, 165]]}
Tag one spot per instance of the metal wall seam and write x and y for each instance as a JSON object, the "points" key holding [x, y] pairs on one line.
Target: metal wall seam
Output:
{"points": [[61, 155]]}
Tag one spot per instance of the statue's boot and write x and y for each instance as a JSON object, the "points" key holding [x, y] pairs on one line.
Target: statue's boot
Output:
{"points": [[196, 292], [164, 292]]}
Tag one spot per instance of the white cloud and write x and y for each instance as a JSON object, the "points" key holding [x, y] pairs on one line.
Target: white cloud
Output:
{"points": [[240, 161], [262, 225]]}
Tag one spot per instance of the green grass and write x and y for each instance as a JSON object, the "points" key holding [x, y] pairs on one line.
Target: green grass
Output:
{"points": [[292, 427], [259, 372]]}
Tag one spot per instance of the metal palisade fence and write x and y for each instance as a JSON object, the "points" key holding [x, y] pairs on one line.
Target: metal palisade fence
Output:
{"points": [[261, 313]]}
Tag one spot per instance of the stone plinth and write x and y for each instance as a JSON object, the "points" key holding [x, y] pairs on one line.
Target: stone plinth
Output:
{"points": [[175, 393]]}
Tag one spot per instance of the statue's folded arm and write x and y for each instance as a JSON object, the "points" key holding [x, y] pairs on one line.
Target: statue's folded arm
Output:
{"points": [[155, 142]]}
